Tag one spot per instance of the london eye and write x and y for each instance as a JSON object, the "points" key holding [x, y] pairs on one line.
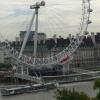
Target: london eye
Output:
{"points": [[39, 23]]}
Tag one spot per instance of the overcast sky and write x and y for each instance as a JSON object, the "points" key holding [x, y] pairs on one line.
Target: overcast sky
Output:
{"points": [[59, 17]]}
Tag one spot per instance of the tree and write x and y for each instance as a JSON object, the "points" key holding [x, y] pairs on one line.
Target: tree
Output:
{"points": [[66, 94], [97, 87]]}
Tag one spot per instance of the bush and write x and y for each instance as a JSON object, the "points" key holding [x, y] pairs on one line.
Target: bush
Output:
{"points": [[97, 86], [66, 94]]}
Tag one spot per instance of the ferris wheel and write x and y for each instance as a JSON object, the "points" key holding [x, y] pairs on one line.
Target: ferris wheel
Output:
{"points": [[64, 55]]}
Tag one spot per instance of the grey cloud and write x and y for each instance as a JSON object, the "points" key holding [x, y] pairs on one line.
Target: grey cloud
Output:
{"points": [[62, 16]]}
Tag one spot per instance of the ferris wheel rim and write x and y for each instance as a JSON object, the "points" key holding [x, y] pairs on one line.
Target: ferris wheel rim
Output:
{"points": [[56, 59]]}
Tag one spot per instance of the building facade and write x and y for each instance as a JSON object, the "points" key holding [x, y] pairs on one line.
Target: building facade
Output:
{"points": [[40, 36], [87, 54]]}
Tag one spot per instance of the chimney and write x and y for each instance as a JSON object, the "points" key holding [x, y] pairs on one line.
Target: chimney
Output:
{"points": [[17, 39], [44, 38], [93, 38], [70, 37], [55, 38], [78, 38]]}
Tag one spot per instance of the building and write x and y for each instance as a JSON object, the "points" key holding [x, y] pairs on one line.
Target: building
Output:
{"points": [[87, 54], [41, 36], [4, 57], [1, 56]]}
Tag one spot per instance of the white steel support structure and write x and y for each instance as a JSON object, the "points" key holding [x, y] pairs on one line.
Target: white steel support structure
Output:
{"points": [[27, 35], [36, 7], [63, 55], [67, 52], [22, 69], [36, 33]]}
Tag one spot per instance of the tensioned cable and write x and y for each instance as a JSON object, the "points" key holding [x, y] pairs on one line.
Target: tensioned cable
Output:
{"points": [[85, 23]]}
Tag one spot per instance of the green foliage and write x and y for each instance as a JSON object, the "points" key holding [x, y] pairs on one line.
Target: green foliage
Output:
{"points": [[94, 99], [66, 94], [97, 84]]}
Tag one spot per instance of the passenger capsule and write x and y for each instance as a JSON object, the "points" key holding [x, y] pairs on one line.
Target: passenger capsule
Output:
{"points": [[88, 0], [90, 10], [42, 3], [32, 7], [89, 22], [86, 33]]}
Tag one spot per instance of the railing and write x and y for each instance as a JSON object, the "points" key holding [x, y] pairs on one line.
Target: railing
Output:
{"points": [[75, 77], [78, 70], [27, 77]]}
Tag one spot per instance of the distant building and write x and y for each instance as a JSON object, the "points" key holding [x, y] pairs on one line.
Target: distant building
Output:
{"points": [[1, 56], [41, 36], [87, 54], [4, 57]]}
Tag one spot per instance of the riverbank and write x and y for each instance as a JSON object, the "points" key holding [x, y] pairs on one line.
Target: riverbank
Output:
{"points": [[86, 87]]}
